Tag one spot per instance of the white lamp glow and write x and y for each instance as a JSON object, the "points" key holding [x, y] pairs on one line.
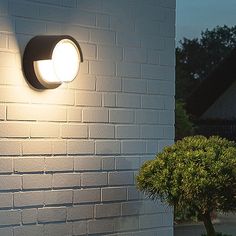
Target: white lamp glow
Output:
{"points": [[54, 64], [64, 65]]}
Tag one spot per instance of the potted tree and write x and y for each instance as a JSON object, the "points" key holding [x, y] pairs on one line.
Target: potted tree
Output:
{"points": [[197, 173]]}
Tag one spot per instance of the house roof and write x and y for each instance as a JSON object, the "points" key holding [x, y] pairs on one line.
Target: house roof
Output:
{"points": [[219, 80]]}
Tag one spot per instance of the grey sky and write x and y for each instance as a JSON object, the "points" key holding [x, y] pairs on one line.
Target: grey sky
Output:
{"points": [[193, 16]]}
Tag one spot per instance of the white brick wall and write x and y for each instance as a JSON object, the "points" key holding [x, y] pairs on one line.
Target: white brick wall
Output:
{"points": [[68, 156]]}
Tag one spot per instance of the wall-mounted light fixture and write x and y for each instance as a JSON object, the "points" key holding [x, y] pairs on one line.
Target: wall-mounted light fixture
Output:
{"points": [[50, 60]]}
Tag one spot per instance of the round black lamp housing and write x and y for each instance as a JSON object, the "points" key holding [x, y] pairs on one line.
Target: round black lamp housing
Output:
{"points": [[50, 60]]}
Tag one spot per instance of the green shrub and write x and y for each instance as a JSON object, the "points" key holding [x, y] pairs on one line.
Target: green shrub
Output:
{"points": [[219, 234], [195, 173], [183, 125]]}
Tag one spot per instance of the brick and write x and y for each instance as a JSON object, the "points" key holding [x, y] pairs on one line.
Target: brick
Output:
{"points": [[29, 164], [58, 96], [152, 147], [29, 216], [22, 199], [6, 59], [80, 228], [153, 42], [79, 33], [6, 165], [144, 116], [6, 231], [80, 147], [51, 214], [37, 181], [52, 13], [107, 210], [125, 163], [108, 163], [107, 147], [90, 195], [6, 200], [121, 116], [30, 27], [103, 21], [108, 100], [58, 164], [106, 68], [100, 226], [108, 84], [103, 37], [88, 99], [14, 130], [128, 100], [133, 147], [167, 117], [161, 87], [87, 163], [152, 102], [131, 208], [134, 85], [80, 212], [83, 82], [58, 197], [11, 182], [93, 179], [29, 230], [44, 130], [101, 131], [90, 49], [152, 131], [151, 221], [59, 229], [121, 178], [83, 17], [2, 112], [169, 132], [36, 147], [129, 39], [128, 69], [74, 114], [135, 55], [122, 24], [10, 217], [127, 223], [114, 194], [10, 147], [66, 180], [23, 10], [133, 193], [98, 115], [152, 72], [40, 113], [110, 53], [74, 131], [127, 131], [59, 147]]}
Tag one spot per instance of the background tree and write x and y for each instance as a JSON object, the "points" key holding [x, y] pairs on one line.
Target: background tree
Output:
{"points": [[196, 58], [194, 173]]}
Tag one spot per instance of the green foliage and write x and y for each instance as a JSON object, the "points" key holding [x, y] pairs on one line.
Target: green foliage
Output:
{"points": [[196, 58], [219, 234], [195, 173], [183, 125]]}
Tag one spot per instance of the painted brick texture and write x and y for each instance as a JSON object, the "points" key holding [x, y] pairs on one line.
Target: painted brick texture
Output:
{"points": [[68, 156]]}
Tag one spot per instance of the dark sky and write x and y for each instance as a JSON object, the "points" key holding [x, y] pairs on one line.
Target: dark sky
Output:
{"points": [[193, 16]]}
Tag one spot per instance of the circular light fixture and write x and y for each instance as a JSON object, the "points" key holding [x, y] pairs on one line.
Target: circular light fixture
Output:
{"points": [[49, 61]]}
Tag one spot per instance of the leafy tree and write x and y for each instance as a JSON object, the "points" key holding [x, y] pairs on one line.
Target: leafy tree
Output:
{"points": [[195, 173], [196, 58]]}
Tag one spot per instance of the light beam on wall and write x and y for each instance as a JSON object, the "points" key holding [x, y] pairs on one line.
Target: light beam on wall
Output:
{"points": [[50, 60]]}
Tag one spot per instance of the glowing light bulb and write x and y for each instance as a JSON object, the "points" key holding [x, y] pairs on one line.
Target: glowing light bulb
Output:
{"points": [[64, 65]]}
